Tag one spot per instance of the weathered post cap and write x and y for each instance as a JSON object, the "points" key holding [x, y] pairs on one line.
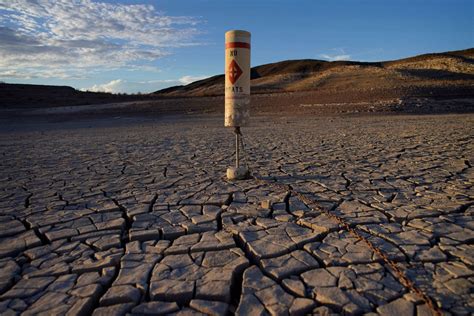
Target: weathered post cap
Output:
{"points": [[237, 36]]}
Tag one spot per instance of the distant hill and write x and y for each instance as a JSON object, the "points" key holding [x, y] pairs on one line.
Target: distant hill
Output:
{"points": [[288, 86], [31, 96], [438, 74]]}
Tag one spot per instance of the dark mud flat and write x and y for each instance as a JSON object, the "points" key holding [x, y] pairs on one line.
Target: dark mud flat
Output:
{"points": [[134, 215]]}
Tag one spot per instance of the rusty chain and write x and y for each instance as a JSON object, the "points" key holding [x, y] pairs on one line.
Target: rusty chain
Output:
{"points": [[315, 206]]}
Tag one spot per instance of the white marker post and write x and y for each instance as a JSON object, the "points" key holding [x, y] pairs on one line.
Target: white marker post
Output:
{"points": [[237, 91]]}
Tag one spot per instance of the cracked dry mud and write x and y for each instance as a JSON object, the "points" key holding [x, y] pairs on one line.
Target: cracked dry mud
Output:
{"points": [[139, 219]]}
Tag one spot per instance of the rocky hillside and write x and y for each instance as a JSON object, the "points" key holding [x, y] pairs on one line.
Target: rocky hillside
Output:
{"points": [[449, 74], [293, 86]]}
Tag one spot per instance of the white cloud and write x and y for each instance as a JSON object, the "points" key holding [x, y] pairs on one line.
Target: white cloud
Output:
{"points": [[75, 37], [35, 73], [335, 57], [125, 86], [114, 86], [189, 79], [174, 81], [338, 54]]}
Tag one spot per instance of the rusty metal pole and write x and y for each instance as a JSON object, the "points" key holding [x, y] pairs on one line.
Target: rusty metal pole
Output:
{"points": [[237, 150]]}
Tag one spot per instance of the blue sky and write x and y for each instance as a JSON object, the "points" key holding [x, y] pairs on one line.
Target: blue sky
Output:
{"points": [[146, 45]]}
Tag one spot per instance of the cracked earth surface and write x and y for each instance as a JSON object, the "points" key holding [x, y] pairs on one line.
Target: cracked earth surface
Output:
{"points": [[139, 219]]}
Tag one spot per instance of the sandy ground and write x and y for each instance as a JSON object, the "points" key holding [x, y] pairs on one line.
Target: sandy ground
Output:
{"points": [[306, 103], [134, 214]]}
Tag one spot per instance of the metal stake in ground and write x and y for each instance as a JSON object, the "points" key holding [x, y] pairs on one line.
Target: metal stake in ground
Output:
{"points": [[237, 92]]}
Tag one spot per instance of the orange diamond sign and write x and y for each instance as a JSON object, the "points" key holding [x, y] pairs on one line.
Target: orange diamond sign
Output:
{"points": [[234, 71]]}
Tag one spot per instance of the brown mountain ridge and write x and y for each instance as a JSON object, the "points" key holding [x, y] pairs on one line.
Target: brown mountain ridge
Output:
{"points": [[438, 74], [429, 83]]}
